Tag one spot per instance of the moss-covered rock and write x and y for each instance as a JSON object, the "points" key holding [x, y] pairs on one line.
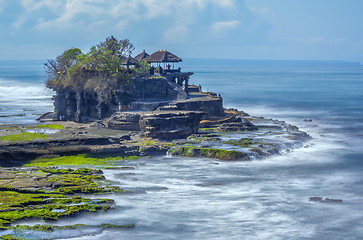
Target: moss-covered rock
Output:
{"points": [[19, 201], [243, 142], [222, 154], [77, 160], [24, 136]]}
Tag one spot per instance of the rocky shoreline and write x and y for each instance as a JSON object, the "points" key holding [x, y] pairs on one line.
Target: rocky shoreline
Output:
{"points": [[43, 173], [235, 132]]}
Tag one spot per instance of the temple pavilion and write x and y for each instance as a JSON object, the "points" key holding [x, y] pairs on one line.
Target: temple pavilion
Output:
{"points": [[162, 63]]}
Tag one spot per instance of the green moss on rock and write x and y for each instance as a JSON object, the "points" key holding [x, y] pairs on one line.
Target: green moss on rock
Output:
{"points": [[17, 203], [24, 136], [50, 126], [77, 160], [222, 154], [243, 142]]}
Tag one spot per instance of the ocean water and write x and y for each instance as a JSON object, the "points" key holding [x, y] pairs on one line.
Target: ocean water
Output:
{"points": [[23, 95], [198, 198]]}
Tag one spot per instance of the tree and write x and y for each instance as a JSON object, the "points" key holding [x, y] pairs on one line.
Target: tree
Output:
{"points": [[57, 69], [106, 56], [98, 70], [142, 68]]}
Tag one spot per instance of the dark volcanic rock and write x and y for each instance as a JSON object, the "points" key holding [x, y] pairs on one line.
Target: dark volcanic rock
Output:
{"points": [[157, 124], [316, 199], [170, 124], [124, 121], [300, 136], [321, 199], [86, 106], [69, 146], [241, 124], [209, 105], [194, 151]]}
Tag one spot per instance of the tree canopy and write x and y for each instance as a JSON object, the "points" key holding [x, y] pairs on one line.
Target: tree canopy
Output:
{"points": [[98, 70]]}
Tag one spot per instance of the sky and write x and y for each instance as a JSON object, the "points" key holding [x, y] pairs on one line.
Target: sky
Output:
{"points": [[219, 29]]}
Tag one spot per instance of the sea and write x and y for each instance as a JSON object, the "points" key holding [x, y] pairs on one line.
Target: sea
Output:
{"points": [[268, 198]]}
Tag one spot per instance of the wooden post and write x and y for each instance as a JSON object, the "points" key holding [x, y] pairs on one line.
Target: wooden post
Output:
{"points": [[186, 85], [180, 81]]}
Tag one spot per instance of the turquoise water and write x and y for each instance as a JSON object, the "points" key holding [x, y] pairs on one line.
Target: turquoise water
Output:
{"points": [[185, 198]]}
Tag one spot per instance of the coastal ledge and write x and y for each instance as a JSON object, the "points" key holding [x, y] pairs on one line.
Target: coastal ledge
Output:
{"points": [[235, 136]]}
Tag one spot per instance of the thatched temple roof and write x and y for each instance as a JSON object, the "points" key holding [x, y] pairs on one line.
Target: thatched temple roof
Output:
{"points": [[163, 56], [141, 56], [129, 61]]}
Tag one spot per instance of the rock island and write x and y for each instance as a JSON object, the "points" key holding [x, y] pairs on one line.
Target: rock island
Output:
{"points": [[110, 107]]}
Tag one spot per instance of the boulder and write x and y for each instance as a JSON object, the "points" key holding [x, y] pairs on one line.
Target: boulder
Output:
{"points": [[209, 105], [170, 124], [222, 154], [321, 199], [124, 121]]}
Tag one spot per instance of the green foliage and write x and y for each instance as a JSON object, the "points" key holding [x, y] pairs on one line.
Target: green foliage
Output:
{"points": [[142, 68], [99, 70], [24, 136], [76, 160], [57, 69]]}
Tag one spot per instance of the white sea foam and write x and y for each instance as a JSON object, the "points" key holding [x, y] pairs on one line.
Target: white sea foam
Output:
{"points": [[20, 102], [16, 92]]}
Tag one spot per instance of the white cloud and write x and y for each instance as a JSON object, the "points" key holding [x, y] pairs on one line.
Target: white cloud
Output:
{"points": [[157, 21], [66, 11], [20, 21], [225, 25], [225, 3], [75, 12], [32, 5]]}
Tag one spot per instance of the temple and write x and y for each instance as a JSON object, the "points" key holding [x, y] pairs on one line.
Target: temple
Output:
{"points": [[162, 63], [161, 85]]}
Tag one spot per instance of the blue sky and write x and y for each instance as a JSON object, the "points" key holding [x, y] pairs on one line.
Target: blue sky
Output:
{"points": [[237, 29]]}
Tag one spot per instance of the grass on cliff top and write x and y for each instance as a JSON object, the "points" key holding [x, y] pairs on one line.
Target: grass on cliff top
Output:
{"points": [[24, 136], [77, 160]]}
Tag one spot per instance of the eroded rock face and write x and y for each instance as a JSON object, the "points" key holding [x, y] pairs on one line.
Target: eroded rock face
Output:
{"points": [[170, 124], [85, 106], [81, 106]]}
